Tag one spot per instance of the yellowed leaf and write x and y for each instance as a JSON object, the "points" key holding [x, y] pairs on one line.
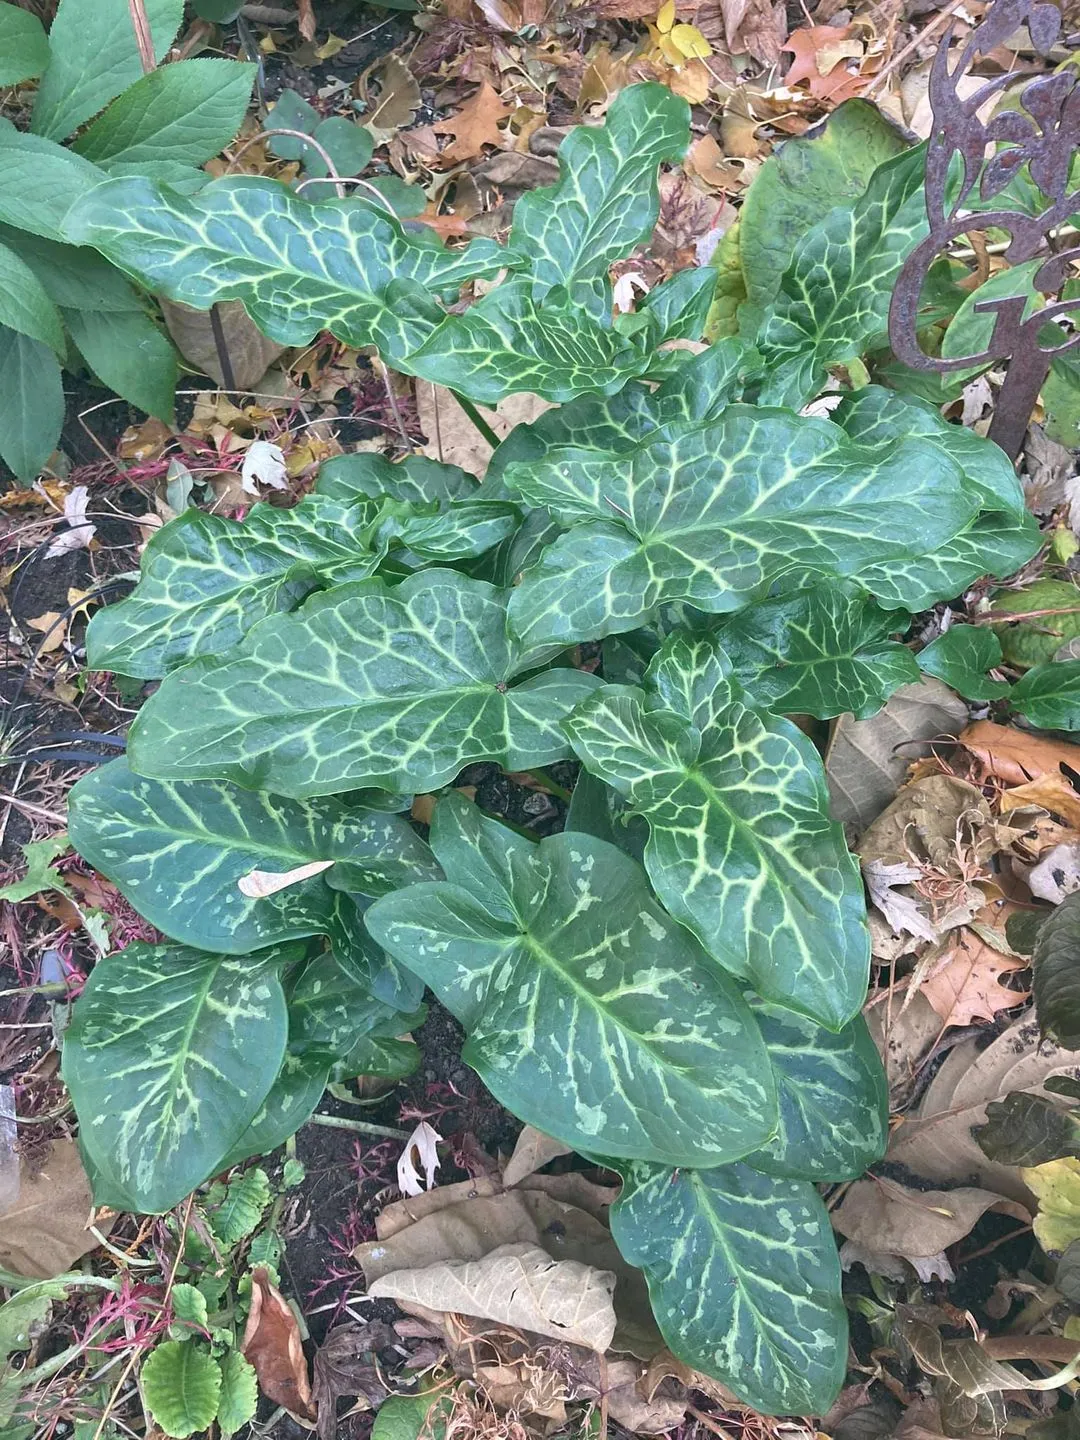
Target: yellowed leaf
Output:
{"points": [[1017, 756], [665, 17], [690, 42], [54, 628], [1056, 1186], [1052, 791]]}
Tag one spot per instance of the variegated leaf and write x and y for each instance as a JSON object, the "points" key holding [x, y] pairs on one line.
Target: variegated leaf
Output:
{"points": [[178, 851], [715, 514], [741, 847], [292, 1100], [824, 651], [169, 1057], [834, 1102], [589, 1012], [298, 266], [606, 200], [744, 1279], [415, 480], [364, 685], [834, 298], [333, 1014]]}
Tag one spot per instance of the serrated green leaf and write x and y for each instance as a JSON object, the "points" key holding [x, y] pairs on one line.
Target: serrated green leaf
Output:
{"points": [[180, 115], [562, 968], [181, 1385], [239, 1396], [299, 267], [73, 277], [834, 1101], [241, 1210], [715, 514], [1049, 695], [824, 651], [24, 305], [128, 354], [94, 55], [364, 685], [606, 200], [744, 1279], [40, 874], [24, 47], [741, 848], [189, 1305], [407, 1417], [42, 181], [801, 182], [168, 1058], [1027, 1129], [1056, 969], [961, 657], [834, 299], [292, 1100], [179, 850], [206, 580], [31, 403], [508, 343], [26, 1312]]}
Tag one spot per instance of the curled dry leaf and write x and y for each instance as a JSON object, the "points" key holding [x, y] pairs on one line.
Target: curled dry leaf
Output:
{"points": [[272, 1345], [885, 1216], [965, 983], [249, 352], [904, 913], [518, 1285], [643, 1414], [1017, 756], [421, 1144], [1054, 791], [257, 884], [532, 1152], [1057, 875]]}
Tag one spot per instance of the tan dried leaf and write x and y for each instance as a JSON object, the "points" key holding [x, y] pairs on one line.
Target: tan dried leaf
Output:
{"points": [[532, 1152], [250, 353], [257, 884], [518, 1285], [885, 1216], [43, 1229], [1017, 756], [965, 983], [273, 1346], [422, 1143], [399, 98], [475, 125], [1053, 791], [452, 436]]}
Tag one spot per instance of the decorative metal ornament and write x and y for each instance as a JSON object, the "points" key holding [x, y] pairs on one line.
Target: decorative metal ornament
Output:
{"points": [[968, 162]]}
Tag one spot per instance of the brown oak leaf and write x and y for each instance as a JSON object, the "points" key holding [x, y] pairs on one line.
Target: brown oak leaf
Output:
{"points": [[475, 125], [966, 984]]}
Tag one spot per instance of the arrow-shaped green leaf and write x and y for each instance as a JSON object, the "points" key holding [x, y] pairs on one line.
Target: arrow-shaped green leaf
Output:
{"points": [[589, 1011], [741, 848], [364, 685], [744, 1279]]}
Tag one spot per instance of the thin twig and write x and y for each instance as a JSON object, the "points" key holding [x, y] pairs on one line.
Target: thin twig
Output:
{"points": [[143, 37], [297, 135], [362, 1127]]}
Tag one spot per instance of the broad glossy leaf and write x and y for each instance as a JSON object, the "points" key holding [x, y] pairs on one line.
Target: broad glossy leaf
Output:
{"points": [[206, 580], [24, 46], [128, 354], [589, 1012], [364, 685], [834, 1102], [508, 342], [1028, 1129], [744, 1279], [291, 1103], [179, 116], [31, 403], [961, 657], [741, 847], [824, 651], [1049, 695], [94, 56], [715, 514], [414, 480], [299, 267], [169, 1057], [178, 852], [1056, 966], [24, 304], [834, 299], [606, 200], [42, 181], [801, 182]]}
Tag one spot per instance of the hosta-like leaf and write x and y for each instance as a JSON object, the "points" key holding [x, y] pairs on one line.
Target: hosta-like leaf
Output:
{"points": [[41, 182], [961, 657], [364, 685], [1056, 965], [824, 651], [168, 1058], [333, 1013], [606, 200], [1049, 695], [744, 1280], [206, 580], [24, 46], [741, 848], [179, 850], [508, 342], [181, 1384], [299, 267], [834, 298], [834, 1102], [715, 514], [590, 1013], [292, 1099]]}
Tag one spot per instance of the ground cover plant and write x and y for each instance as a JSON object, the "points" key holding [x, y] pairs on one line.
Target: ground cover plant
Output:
{"points": [[650, 577]]}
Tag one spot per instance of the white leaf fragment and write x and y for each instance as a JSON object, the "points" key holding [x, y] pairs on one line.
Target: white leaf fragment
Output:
{"points": [[421, 1143], [80, 530], [257, 884], [264, 464]]}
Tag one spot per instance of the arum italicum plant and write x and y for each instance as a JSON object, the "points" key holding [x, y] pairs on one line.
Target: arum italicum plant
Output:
{"points": [[673, 985]]}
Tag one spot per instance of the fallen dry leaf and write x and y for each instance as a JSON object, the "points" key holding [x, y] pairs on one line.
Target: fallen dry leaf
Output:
{"points": [[1057, 875], [663, 1409], [1017, 756], [43, 1229], [1053, 791], [272, 1345], [345, 1365], [250, 353], [53, 626], [305, 19], [421, 1143], [885, 1216], [399, 98], [965, 983], [452, 437], [518, 1285], [475, 125], [257, 884], [80, 530], [264, 464], [819, 51], [532, 1152]]}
